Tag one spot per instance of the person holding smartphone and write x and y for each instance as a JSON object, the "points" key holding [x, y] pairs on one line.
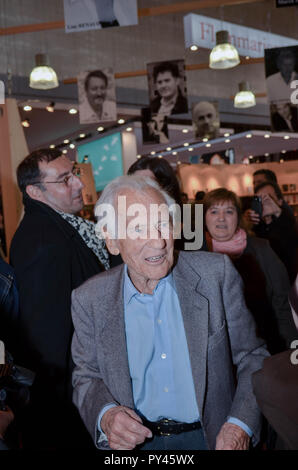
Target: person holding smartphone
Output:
{"points": [[277, 224]]}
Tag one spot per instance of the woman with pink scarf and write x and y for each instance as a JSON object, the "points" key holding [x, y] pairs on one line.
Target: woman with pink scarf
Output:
{"points": [[266, 283]]}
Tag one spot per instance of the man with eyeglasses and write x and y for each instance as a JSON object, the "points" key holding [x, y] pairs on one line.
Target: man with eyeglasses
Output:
{"points": [[53, 252]]}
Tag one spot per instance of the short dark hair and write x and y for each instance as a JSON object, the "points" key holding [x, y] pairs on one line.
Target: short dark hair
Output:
{"points": [[220, 195], [274, 185], [28, 171], [97, 74], [163, 173], [270, 175], [166, 67]]}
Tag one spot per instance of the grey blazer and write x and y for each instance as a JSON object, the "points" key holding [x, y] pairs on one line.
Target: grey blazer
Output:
{"points": [[220, 333]]}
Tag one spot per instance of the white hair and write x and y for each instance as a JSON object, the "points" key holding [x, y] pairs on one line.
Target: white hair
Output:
{"points": [[135, 183]]}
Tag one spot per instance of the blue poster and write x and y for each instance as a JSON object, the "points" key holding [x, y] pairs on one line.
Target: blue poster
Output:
{"points": [[105, 155]]}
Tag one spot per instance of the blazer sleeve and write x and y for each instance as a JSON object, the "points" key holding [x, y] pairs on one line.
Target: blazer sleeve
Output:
{"points": [[248, 351], [90, 394]]}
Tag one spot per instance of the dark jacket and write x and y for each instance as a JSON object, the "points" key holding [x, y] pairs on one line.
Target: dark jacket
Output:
{"points": [[180, 107], [266, 287], [9, 303], [283, 238]]}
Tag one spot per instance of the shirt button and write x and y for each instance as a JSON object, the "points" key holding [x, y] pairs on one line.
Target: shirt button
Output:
{"points": [[166, 389], [163, 356]]}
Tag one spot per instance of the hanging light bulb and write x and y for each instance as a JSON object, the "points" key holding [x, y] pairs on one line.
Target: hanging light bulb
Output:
{"points": [[43, 77], [224, 55], [245, 97]]}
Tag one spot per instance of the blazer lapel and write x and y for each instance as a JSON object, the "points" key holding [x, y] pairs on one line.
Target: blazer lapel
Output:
{"points": [[195, 312], [114, 341]]}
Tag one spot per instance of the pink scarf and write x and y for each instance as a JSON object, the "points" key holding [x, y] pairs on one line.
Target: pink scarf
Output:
{"points": [[233, 247]]}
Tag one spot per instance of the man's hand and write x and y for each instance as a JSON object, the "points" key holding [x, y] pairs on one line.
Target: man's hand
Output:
{"points": [[270, 207], [123, 428], [251, 217], [232, 437], [6, 417]]}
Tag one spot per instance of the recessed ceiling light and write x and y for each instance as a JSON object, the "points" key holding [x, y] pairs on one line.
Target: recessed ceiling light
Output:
{"points": [[267, 136], [82, 136], [205, 139], [169, 149], [185, 131], [64, 151], [26, 123], [66, 141], [190, 149], [139, 156], [121, 121], [128, 129], [72, 146], [266, 154], [174, 153], [100, 129], [194, 47], [283, 151], [227, 141], [153, 153], [73, 111], [208, 145], [247, 57], [159, 156], [186, 144], [52, 146], [178, 163], [251, 156], [286, 137], [226, 134], [248, 136], [50, 107], [27, 107]]}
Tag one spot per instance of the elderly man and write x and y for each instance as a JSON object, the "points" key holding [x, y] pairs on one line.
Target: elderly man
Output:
{"points": [[170, 99], [205, 120], [154, 354], [53, 251]]}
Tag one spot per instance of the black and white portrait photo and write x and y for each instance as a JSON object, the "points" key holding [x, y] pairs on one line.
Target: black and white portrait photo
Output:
{"points": [[284, 117], [205, 119], [281, 66], [154, 127], [97, 97], [167, 87], [83, 15]]}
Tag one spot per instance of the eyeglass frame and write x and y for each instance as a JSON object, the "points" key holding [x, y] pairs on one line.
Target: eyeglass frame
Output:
{"points": [[76, 171]]}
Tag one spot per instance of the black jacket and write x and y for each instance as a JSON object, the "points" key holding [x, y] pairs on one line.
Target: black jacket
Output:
{"points": [[50, 260], [180, 107]]}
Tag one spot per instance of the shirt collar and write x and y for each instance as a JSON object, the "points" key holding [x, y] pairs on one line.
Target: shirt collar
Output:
{"points": [[130, 291]]}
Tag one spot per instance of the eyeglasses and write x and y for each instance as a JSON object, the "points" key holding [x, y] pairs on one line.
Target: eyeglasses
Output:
{"points": [[67, 180]]}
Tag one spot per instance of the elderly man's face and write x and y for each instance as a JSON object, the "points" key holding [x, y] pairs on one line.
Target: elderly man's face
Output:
{"points": [[148, 259], [96, 92], [205, 118]]}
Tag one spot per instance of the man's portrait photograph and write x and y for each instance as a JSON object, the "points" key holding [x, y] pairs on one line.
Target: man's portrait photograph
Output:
{"points": [[84, 15], [167, 87], [205, 119], [97, 96], [281, 68], [284, 116], [154, 128]]}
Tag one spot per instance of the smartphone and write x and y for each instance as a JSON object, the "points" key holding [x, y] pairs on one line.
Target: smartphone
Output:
{"points": [[256, 205]]}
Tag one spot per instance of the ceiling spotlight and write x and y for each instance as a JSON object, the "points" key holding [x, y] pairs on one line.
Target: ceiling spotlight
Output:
{"points": [[26, 123], [43, 77], [52, 146], [50, 107], [128, 129], [73, 111], [153, 153], [139, 156], [251, 156], [186, 144], [121, 121], [72, 146], [194, 47], [247, 57], [27, 107], [266, 154], [190, 149], [267, 136], [82, 136], [66, 141], [64, 151], [286, 137], [226, 134], [185, 131], [248, 136], [283, 151], [178, 163], [174, 153], [205, 139], [159, 156], [100, 129], [208, 145], [169, 149], [224, 55], [227, 141], [245, 97]]}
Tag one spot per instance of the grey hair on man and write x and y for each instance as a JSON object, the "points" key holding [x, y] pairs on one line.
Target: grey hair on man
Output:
{"points": [[106, 207]]}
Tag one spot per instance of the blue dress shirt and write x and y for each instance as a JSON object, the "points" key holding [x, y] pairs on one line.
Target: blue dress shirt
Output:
{"points": [[158, 355]]}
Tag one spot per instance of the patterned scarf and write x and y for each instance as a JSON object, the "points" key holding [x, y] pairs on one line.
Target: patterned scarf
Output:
{"points": [[234, 247], [86, 229]]}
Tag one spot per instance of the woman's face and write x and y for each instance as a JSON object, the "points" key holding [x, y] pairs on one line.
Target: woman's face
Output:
{"points": [[222, 221]]}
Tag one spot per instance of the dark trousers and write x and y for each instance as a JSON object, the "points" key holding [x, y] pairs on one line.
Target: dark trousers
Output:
{"points": [[191, 440]]}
